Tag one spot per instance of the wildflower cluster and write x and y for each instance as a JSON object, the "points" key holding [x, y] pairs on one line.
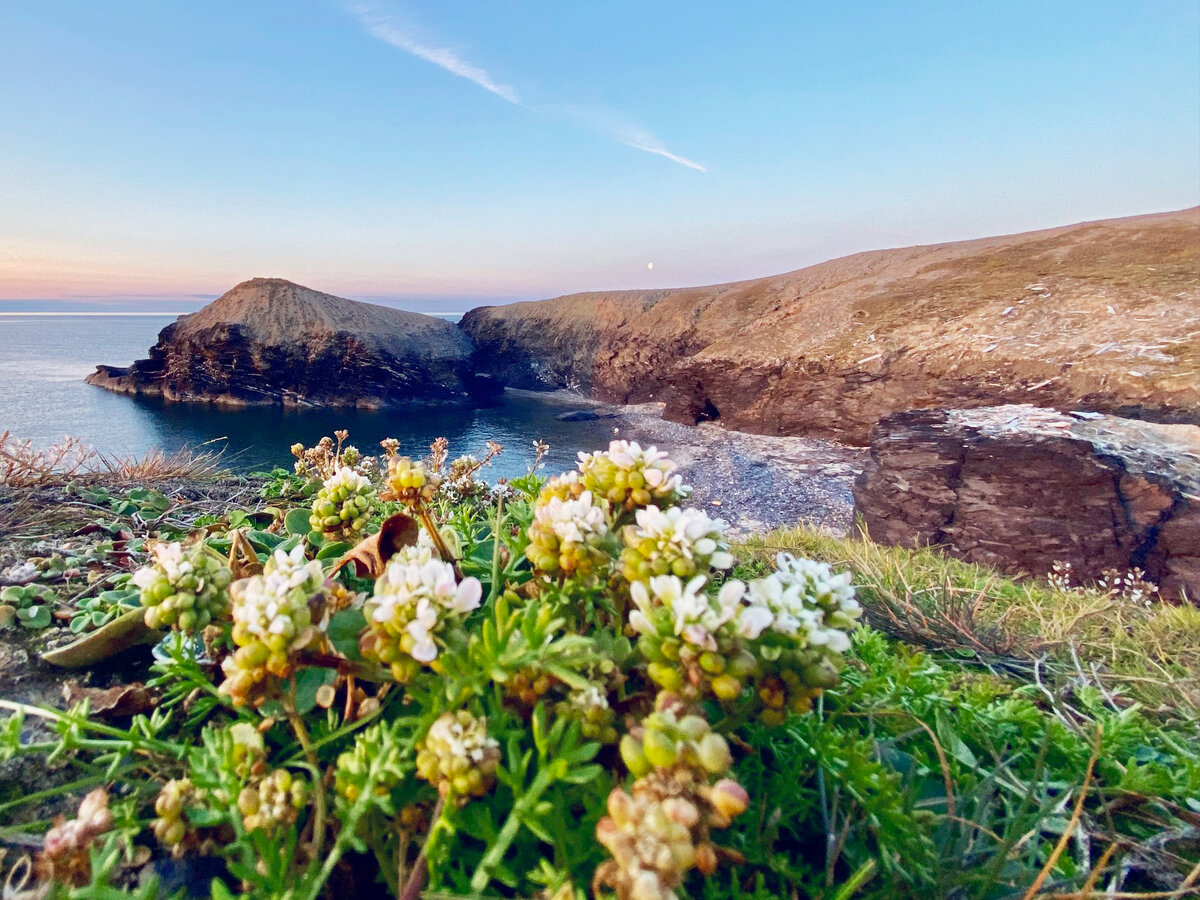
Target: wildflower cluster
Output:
{"points": [[460, 482], [458, 757], [343, 504], [690, 638], [630, 477], [1129, 586], [64, 855], [783, 634], [184, 587], [273, 618], [325, 458], [662, 829], [589, 705], [528, 685], [797, 620], [569, 538], [273, 802], [416, 600], [602, 557], [676, 541], [410, 482], [170, 827]]}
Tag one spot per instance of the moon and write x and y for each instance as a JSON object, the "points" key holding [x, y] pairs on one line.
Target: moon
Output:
{"points": [[649, 265]]}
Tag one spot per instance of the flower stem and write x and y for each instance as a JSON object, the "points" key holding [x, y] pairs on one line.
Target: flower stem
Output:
{"points": [[495, 592], [436, 536], [416, 878], [297, 723]]}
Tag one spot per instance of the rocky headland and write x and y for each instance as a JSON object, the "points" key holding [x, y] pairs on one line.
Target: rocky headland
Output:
{"points": [[1021, 488], [269, 341], [1101, 316]]}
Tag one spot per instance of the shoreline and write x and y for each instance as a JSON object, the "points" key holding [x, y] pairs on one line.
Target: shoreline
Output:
{"points": [[754, 482]]}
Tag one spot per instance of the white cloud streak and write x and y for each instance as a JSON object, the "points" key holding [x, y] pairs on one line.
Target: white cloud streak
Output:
{"points": [[444, 57], [602, 121], [613, 125]]}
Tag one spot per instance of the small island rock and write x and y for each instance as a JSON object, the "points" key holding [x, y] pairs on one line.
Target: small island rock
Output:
{"points": [[269, 341]]}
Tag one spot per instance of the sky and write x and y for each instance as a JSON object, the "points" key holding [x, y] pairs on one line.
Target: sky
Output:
{"points": [[443, 155]]}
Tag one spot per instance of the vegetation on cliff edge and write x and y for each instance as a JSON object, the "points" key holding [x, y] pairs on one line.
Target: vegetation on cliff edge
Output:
{"points": [[553, 688]]}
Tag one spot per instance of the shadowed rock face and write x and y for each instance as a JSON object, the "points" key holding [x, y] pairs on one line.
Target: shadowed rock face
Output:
{"points": [[1102, 316], [270, 341], [1021, 488]]}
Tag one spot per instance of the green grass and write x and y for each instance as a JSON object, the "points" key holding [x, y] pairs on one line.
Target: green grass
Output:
{"points": [[981, 723], [1147, 653]]}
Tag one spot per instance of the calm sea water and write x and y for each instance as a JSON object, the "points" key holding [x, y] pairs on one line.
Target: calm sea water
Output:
{"points": [[44, 359]]}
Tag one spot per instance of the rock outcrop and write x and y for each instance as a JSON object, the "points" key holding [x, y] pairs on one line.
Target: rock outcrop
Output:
{"points": [[269, 341], [1020, 488], [1102, 316]]}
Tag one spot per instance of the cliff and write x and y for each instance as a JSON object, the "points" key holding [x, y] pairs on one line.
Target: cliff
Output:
{"points": [[271, 341], [1021, 488], [1100, 316]]}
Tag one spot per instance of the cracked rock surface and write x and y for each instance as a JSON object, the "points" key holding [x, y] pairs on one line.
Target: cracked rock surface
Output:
{"points": [[1020, 488]]}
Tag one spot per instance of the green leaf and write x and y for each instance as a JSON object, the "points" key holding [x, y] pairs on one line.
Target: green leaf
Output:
{"points": [[265, 540], [336, 550], [150, 500], [296, 521], [204, 818], [535, 825], [583, 774], [308, 681], [952, 743], [34, 616], [343, 631]]}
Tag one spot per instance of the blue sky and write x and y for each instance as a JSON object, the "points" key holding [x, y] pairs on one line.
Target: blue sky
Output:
{"points": [[443, 154]]}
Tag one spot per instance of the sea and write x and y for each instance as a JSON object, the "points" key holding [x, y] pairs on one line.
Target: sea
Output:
{"points": [[44, 359]]}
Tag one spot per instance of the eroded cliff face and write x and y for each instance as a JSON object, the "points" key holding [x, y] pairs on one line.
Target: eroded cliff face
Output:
{"points": [[269, 341], [1101, 316], [1020, 488]]}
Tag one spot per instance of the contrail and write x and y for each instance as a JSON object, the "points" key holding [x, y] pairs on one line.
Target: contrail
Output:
{"points": [[383, 29], [614, 125], [602, 121]]}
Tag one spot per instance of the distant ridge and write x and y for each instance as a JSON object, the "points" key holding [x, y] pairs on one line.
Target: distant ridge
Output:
{"points": [[1100, 315]]}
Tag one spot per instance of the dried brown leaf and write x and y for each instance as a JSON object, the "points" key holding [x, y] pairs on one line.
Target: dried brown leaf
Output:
{"points": [[372, 553]]}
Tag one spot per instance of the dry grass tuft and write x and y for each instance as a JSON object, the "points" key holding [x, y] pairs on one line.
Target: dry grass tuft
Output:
{"points": [[157, 466], [23, 465], [1147, 652]]}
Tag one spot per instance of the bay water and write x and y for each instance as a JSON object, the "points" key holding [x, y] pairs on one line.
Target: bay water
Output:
{"points": [[45, 358]]}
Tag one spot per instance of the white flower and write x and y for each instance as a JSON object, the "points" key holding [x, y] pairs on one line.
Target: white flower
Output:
{"points": [[679, 533], [753, 620], [805, 600], [346, 477], [695, 616], [415, 594], [267, 605], [572, 521], [168, 560]]}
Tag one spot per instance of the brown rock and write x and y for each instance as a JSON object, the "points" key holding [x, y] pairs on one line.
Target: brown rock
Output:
{"points": [[1020, 488], [1101, 316], [270, 341]]}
